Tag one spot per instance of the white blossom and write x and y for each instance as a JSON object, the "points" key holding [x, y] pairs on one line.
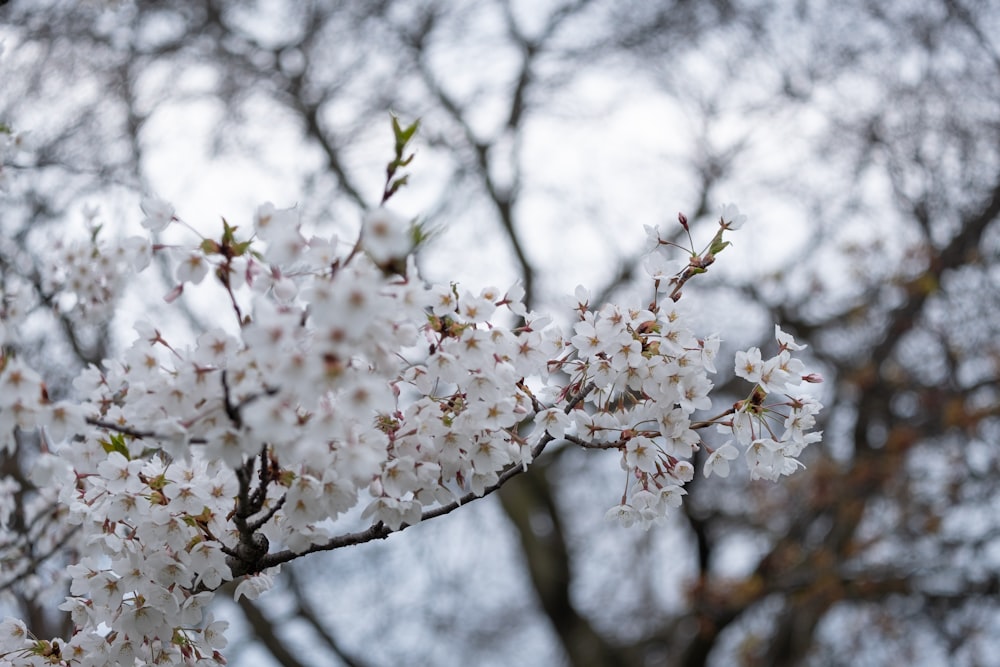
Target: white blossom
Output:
{"points": [[159, 214], [336, 385]]}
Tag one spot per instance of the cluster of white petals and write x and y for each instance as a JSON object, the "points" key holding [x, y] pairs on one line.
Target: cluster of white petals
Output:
{"points": [[342, 382], [84, 278], [10, 143]]}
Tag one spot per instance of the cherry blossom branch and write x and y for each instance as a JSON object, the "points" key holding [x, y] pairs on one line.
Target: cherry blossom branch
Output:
{"points": [[232, 411], [133, 432], [379, 531], [223, 273], [252, 544], [711, 421], [589, 444], [323, 350]]}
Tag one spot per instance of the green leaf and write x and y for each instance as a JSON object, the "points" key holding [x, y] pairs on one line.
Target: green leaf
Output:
{"points": [[410, 131], [398, 183], [400, 162], [116, 443], [241, 248], [717, 245], [228, 232], [402, 134]]}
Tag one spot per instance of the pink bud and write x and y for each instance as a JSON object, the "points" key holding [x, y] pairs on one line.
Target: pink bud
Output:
{"points": [[681, 218], [815, 378]]}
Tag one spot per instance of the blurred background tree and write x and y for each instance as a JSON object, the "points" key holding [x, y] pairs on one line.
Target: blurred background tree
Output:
{"points": [[861, 136]]}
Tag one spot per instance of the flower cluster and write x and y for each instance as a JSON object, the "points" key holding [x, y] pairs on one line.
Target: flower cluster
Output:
{"points": [[85, 278], [10, 143], [649, 375], [757, 423], [344, 381]]}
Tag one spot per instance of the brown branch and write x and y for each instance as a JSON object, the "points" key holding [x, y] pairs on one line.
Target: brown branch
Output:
{"points": [[547, 559], [37, 559], [264, 630], [306, 612], [953, 255]]}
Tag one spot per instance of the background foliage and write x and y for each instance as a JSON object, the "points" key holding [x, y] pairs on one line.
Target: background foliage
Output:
{"points": [[863, 139]]}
